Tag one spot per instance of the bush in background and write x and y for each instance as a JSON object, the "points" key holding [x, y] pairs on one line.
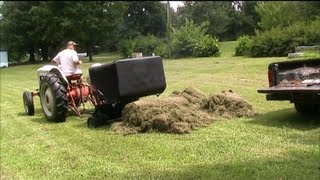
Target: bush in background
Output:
{"points": [[244, 46], [145, 44], [206, 46], [281, 41], [191, 40], [126, 47], [150, 44]]}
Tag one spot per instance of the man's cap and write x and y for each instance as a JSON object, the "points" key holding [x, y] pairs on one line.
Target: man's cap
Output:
{"points": [[71, 43]]}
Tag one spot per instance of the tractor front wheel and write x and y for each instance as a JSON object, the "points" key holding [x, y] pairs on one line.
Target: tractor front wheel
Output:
{"points": [[53, 97], [28, 103]]}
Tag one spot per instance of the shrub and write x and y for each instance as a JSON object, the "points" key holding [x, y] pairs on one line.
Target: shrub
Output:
{"points": [[244, 46], [126, 47], [184, 39], [191, 40], [281, 41], [162, 50], [149, 44], [206, 46], [146, 44]]}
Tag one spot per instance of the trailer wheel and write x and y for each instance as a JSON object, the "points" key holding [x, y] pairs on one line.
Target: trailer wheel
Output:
{"points": [[28, 103], [53, 97], [303, 108]]}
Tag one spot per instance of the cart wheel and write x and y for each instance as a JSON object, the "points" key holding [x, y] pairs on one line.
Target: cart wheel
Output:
{"points": [[305, 108], [92, 122], [28, 103], [95, 121]]}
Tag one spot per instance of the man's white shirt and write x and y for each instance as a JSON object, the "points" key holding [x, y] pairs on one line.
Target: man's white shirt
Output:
{"points": [[66, 59]]}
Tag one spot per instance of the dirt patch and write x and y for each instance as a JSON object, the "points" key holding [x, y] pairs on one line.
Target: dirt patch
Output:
{"points": [[181, 112]]}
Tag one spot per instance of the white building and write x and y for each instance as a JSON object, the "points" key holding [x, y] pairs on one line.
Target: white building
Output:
{"points": [[3, 58]]}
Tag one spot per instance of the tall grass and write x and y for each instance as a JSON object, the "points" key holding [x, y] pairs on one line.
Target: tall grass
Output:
{"points": [[277, 143]]}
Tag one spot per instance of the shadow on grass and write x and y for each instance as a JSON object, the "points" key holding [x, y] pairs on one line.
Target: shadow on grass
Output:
{"points": [[297, 166], [105, 126], [288, 118], [39, 116]]}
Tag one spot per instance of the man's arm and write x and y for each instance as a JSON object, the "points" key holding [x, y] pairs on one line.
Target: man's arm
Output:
{"points": [[78, 62], [55, 60], [75, 58]]}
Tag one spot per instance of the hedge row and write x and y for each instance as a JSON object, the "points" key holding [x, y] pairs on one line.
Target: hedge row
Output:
{"points": [[280, 41]]}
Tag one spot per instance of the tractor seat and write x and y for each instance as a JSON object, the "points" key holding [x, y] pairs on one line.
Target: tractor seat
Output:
{"points": [[74, 77]]}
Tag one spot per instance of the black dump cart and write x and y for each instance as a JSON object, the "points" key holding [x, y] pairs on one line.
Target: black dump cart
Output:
{"points": [[123, 81]]}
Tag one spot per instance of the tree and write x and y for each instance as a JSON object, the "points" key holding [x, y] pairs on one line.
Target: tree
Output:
{"points": [[48, 25], [285, 13], [98, 25], [114, 21], [49, 32], [216, 12], [309, 10], [277, 13], [143, 18], [249, 18], [17, 29]]}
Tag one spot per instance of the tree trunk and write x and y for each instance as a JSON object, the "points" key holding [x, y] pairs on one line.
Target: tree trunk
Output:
{"points": [[90, 54], [44, 52], [31, 57]]}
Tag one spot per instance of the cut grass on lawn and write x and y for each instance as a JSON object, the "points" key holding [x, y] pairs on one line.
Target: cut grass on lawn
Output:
{"points": [[277, 143]]}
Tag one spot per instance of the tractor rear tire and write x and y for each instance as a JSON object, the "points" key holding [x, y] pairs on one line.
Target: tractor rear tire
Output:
{"points": [[53, 98], [28, 103]]}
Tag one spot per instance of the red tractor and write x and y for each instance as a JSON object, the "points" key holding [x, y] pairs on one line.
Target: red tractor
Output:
{"points": [[109, 87]]}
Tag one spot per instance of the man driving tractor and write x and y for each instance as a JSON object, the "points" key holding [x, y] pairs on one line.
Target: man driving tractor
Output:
{"points": [[110, 87], [68, 60]]}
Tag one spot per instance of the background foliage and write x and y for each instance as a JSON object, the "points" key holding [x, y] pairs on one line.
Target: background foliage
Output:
{"points": [[281, 41], [37, 30]]}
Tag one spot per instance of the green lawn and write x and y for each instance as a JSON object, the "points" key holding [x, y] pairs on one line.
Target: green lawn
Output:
{"points": [[278, 143]]}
